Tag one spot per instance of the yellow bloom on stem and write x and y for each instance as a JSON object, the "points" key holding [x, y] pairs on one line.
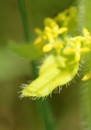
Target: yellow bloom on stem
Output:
{"points": [[58, 68], [48, 38]]}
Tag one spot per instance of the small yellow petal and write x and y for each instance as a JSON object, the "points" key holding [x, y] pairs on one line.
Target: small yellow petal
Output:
{"points": [[62, 30], [88, 40], [58, 45], [85, 32], [48, 29], [79, 38], [49, 37], [47, 47], [85, 49], [69, 51], [50, 23], [37, 40], [60, 17], [87, 76], [38, 31], [77, 57]]}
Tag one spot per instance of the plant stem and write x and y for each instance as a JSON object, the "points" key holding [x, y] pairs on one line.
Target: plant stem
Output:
{"points": [[88, 61], [43, 105], [23, 14], [85, 88], [45, 111]]}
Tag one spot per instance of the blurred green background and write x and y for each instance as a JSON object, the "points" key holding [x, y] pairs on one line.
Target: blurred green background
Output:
{"points": [[16, 114]]}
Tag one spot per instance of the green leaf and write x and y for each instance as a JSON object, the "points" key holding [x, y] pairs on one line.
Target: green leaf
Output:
{"points": [[25, 50]]}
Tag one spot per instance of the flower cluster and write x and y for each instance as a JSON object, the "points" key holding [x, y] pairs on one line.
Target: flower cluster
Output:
{"points": [[48, 39], [56, 38], [63, 53]]}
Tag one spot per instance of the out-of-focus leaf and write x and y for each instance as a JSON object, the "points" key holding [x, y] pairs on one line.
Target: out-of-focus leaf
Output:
{"points": [[25, 50]]}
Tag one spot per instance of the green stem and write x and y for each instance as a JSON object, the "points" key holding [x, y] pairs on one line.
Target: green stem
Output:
{"points": [[43, 105], [45, 111], [23, 14], [85, 88], [88, 61]]}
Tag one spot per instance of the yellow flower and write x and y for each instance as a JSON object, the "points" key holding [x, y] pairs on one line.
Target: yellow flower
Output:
{"points": [[55, 45], [75, 47], [61, 64], [48, 38]]}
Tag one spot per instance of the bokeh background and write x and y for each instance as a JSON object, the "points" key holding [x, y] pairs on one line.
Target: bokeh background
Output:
{"points": [[23, 114]]}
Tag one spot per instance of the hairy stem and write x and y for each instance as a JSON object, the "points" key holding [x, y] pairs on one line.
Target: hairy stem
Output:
{"points": [[85, 87]]}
